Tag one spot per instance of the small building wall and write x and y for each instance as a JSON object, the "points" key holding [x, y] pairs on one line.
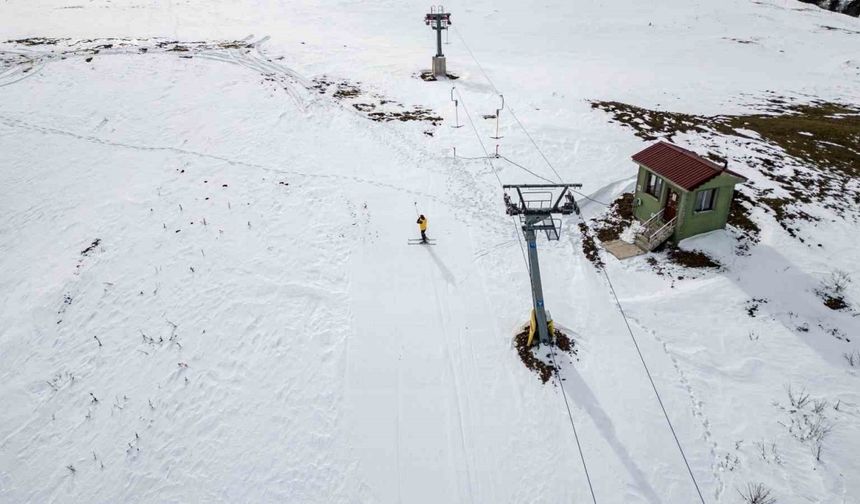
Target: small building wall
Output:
{"points": [[649, 204], [689, 221], [693, 222]]}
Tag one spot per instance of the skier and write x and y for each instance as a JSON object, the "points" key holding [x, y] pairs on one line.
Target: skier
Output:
{"points": [[422, 225]]}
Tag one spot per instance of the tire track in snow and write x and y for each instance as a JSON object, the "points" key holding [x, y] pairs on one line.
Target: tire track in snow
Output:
{"points": [[19, 72], [256, 62], [262, 65]]}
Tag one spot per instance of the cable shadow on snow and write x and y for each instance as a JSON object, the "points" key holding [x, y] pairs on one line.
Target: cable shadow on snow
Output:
{"points": [[585, 398]]}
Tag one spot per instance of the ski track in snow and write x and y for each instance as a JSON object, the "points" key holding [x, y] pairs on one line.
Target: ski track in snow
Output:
{"points": [[20, 124]]}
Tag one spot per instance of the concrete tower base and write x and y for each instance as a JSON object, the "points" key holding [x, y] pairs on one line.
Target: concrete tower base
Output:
{"points": [[439, 66]]}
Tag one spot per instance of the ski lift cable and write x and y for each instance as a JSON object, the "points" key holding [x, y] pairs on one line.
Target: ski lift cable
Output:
{"points": [[612, 289], [590, 198], [525, 260], [457, 32], [572, 423], [510, 109], [527, 170], [552, 181], [489, 161], [517, 119], [473, 158], [650, 379]]}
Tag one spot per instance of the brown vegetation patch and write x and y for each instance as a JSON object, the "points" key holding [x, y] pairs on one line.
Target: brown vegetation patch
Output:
{"points": [[673, 263], [345, 90], [690, 258], [374, 106], [739, 216], [530, 358], [821, 133], [835, 303], [810, 150], [833, 290], [416, 114], [753, 305], [740, 41], [589, 246], [235, 45], [654, 263], [619, 217], [36, 41], [564, 343], [427, 76], [91, 247]]}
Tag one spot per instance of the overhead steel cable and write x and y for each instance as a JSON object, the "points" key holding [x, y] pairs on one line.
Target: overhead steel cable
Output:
{"points": [[572, 423], [645, 366], [522, 249], [517, 119], [457, 32], [651, 380], [591, 199], [489, 161], [611, 287], [527, 170]]}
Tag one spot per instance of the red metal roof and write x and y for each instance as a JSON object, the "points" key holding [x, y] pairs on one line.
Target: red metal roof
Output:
{"points": [[683, 168]]}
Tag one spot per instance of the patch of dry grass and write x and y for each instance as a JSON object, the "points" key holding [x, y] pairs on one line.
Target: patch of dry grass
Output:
{"points": [[810, 150]]}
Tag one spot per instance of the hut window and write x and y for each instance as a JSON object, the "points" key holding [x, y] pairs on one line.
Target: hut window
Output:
{"points": [[705, 200], [653, 185]]}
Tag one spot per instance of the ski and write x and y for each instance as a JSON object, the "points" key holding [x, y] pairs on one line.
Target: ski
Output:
{"points": [[419, 242]]}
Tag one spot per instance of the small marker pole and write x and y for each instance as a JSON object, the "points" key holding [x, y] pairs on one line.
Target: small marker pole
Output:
{"points": [[498, 113], [457, 111]]}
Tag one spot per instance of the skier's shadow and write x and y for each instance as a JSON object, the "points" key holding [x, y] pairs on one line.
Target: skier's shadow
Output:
{"points": [[446, 273]]}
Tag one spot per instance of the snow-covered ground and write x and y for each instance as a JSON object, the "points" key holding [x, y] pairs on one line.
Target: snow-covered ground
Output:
{"points": [[252, 326]]}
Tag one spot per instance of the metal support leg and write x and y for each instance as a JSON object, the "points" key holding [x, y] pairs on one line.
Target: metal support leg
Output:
{"points": [[439, 37], [537, 288]]}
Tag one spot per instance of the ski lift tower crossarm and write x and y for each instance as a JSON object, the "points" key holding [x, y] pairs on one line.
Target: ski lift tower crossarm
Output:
{"points": [[536, 204]]}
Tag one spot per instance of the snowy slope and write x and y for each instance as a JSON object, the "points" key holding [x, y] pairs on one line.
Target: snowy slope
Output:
{"points": [[253, 327]]}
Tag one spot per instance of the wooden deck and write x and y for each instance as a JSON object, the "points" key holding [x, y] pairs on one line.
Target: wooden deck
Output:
{"points": [[622, 250]]}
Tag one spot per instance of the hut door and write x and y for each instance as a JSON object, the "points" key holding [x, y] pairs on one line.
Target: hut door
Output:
{"points": [[671, 206]]}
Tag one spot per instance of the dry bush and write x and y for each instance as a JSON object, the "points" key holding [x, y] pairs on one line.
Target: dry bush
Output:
{"points": [[832, 290], [757, 493]]}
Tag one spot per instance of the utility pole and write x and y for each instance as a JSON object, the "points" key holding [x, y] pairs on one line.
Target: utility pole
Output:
{"points": [[438, 20], [536, 204]]}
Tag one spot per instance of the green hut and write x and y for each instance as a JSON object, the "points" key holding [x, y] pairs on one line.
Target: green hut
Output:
{"points": [[680, 194]]}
